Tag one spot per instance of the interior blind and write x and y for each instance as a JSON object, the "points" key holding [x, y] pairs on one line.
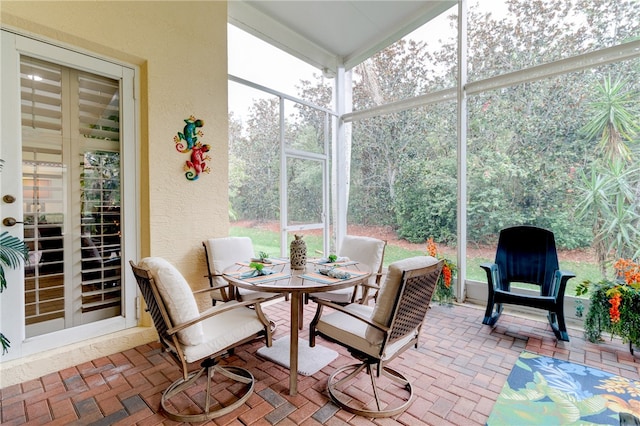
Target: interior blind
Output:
{"points": [[43, 194], [99, 124], [41, 95], [99, 102], [47, 91], [101, 261]]}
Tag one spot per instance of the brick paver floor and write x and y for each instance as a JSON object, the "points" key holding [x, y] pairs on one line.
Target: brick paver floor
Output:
{"points": [[457, 372]]}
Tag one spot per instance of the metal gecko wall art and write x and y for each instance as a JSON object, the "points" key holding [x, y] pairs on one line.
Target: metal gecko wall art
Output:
{"points": [[187, 142]]}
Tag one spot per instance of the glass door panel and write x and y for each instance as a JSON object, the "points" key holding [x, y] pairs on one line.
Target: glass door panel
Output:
{"points": [[43, 198], [71, 208]]}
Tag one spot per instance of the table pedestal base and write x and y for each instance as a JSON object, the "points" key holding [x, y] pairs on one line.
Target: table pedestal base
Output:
{"points": [[311, 360]]}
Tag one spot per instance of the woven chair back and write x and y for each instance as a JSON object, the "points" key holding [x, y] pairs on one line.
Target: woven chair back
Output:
{"points": [[414, 296]]}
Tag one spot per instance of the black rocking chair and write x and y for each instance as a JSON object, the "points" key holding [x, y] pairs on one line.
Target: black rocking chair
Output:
{"points": [[527, 254]]}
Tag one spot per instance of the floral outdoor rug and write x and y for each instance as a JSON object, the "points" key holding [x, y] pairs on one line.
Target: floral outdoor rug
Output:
{"points": [[546, 391]]}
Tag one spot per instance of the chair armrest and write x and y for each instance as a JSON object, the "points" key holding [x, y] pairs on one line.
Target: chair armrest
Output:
{"points": [[208, 289], [342, 309], [213, 276], [213, 311], [559, 284], [224, 288], [373, 286], [365, 292], [488, 266], [565, 275], [493, 274]]}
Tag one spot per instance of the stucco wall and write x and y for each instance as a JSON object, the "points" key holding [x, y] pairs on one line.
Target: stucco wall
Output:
{"points": [[181, 50]]}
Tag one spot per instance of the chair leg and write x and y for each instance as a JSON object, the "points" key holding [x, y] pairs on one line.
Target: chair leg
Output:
{"points": [[339, 390], [492, 312], [209, 411], [558, 325], [374, 386]]}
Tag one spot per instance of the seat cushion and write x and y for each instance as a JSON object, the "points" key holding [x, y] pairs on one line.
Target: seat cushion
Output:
{"points": [[342, 296], [344, 328], [246, 294], [357, 334], [177, 297], [224, 331]]}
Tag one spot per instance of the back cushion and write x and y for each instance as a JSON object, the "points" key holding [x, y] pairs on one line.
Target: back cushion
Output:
{"points": [[224, 252], [177, 297], [388, 292], [369, 251]]}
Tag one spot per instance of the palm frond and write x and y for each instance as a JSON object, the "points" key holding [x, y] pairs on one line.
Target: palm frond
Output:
{"points": [[6, 343], [13, 251]]}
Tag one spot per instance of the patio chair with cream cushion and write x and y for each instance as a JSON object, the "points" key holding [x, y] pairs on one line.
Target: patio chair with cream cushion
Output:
{"points": [[364, 250], [377, 334], [191, 336], [222, 253]]}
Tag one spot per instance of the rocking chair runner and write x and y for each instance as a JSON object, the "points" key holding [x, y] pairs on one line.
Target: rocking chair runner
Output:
{"points": [[527, 254], [377, 334], [190, 336]]}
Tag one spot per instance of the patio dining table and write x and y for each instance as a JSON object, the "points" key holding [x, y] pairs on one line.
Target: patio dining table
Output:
{"points": [[280, 278]]}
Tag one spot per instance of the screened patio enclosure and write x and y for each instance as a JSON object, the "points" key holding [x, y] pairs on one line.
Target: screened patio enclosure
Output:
{"points": [[463, 115]]}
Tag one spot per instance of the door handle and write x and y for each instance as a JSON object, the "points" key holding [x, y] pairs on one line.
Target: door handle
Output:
{"points": [[9, 221]]}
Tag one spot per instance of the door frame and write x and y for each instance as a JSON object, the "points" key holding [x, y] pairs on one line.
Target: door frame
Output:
{"points": [[12, 315], [323, 159]]}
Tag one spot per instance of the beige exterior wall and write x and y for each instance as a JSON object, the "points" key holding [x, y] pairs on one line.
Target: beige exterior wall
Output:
{"points": [[180, 48]]}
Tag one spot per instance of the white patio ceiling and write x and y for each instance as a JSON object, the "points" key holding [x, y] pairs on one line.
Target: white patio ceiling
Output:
{"points": [[328, 34]]}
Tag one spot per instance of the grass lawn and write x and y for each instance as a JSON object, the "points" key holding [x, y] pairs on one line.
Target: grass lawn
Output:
{"points": [[269, 242]]}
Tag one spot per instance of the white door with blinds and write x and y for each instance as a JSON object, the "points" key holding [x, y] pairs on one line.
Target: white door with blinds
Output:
{"points": [[74, 130], [61, 174]]}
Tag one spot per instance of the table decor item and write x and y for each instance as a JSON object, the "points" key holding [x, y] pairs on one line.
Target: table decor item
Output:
{"points": [[332, 258], [325, 271], [337, 273], [444, 293], [258, 269], [263, 257], [614, 305], [298, 252], [334, 272]]}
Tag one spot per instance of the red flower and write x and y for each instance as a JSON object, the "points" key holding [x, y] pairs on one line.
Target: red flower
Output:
{"points": [[446, 273], [614, 311], [432, 250], [629, 270]]}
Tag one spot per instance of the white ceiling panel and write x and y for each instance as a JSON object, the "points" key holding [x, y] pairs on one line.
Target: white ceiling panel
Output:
{"points": [[328, 34]]}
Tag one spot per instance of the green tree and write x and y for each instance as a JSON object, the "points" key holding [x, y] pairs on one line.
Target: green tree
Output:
{"points": [[256, 162], [614, 124], [525, 144], [396, 154], [609, 185]]}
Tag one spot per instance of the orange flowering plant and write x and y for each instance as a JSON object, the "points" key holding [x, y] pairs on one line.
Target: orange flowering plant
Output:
{"points": [[614, 304], [444, 293]]}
